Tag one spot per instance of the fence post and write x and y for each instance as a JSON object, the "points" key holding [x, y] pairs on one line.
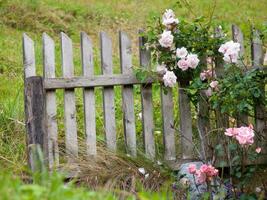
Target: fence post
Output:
{"points": [[35, 120]]}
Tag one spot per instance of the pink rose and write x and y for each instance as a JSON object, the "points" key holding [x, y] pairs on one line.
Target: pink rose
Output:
{"points": [[169, 79], [192, 169], [230, 50], [181, 52], [183, 64], [168, 18], [231, 132], [245, 136], [214, 84], [258, 150], [201, 177], [166, 39], [192, 60]]}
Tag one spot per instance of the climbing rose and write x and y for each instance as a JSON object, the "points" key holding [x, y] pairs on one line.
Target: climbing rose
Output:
{"points": [[230, 51], [161, 69], [181, 52], [231, 132], [169, 79], [169, 18], [244, 135], [192, 169], [214, 85], [258, 150], [166, 39], [207, 74], [183, 64], [192, 60]]}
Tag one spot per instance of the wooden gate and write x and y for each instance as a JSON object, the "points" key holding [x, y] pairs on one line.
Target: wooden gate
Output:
{"points": [[41, 106]]}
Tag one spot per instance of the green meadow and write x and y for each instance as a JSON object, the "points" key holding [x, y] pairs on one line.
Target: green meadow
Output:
{"points": [[35, 17]]}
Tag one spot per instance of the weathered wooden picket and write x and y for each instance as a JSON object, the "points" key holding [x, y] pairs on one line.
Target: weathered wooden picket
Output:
{"points": [[41, 106]]}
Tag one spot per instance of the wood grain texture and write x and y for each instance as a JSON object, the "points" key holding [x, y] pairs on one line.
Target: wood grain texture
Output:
{"points": [[88, 94], [168, 124], [69, 99], [242, 118], [222, 120], [127, 94], [203, 120], [106, 81], [147, 104], [51, 150], [28, 56], [108, 92], [34, 118], [185, 124]]}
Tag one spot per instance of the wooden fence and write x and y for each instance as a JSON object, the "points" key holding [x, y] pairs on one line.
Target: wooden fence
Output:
{"points": [[41, 106]]}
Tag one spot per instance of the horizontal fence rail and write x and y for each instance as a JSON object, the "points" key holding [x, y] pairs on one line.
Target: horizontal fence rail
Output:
{"points": [[47, 113], [93, 81]]}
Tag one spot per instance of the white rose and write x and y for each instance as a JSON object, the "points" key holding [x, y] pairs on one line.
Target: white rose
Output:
{"points": [[166, 39], [181, 52], [192, 60], [169, 18], [161, 69], [230, 50], [169, 79]]}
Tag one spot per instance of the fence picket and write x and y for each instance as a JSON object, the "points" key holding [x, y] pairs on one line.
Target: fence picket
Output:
{"points": [[147, 104], [108, 92], [242, 119], [69, 99], [168, 124], [260, 110], [185, 123], [51, 150], [28, 56], [127, 94], [88, 94], [222, 121], [203, 122]]}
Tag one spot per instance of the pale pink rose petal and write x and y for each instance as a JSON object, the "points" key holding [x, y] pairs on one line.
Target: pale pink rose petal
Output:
{"points": [[258, 150]]}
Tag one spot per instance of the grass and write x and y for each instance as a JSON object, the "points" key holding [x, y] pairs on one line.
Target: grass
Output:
{"points": [[91, 16]]}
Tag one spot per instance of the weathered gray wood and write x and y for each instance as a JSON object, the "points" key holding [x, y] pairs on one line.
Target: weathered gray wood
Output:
{"points": [[222, 120], [147, 105], [106, 81], [34, 118], [69, 99], [168, 124], [260, 110], [28, 56], [108, 92], [242, 118], [88, 94], [185, 123], [51, 147], [127, 94], [203, 119], [256, 49]]}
